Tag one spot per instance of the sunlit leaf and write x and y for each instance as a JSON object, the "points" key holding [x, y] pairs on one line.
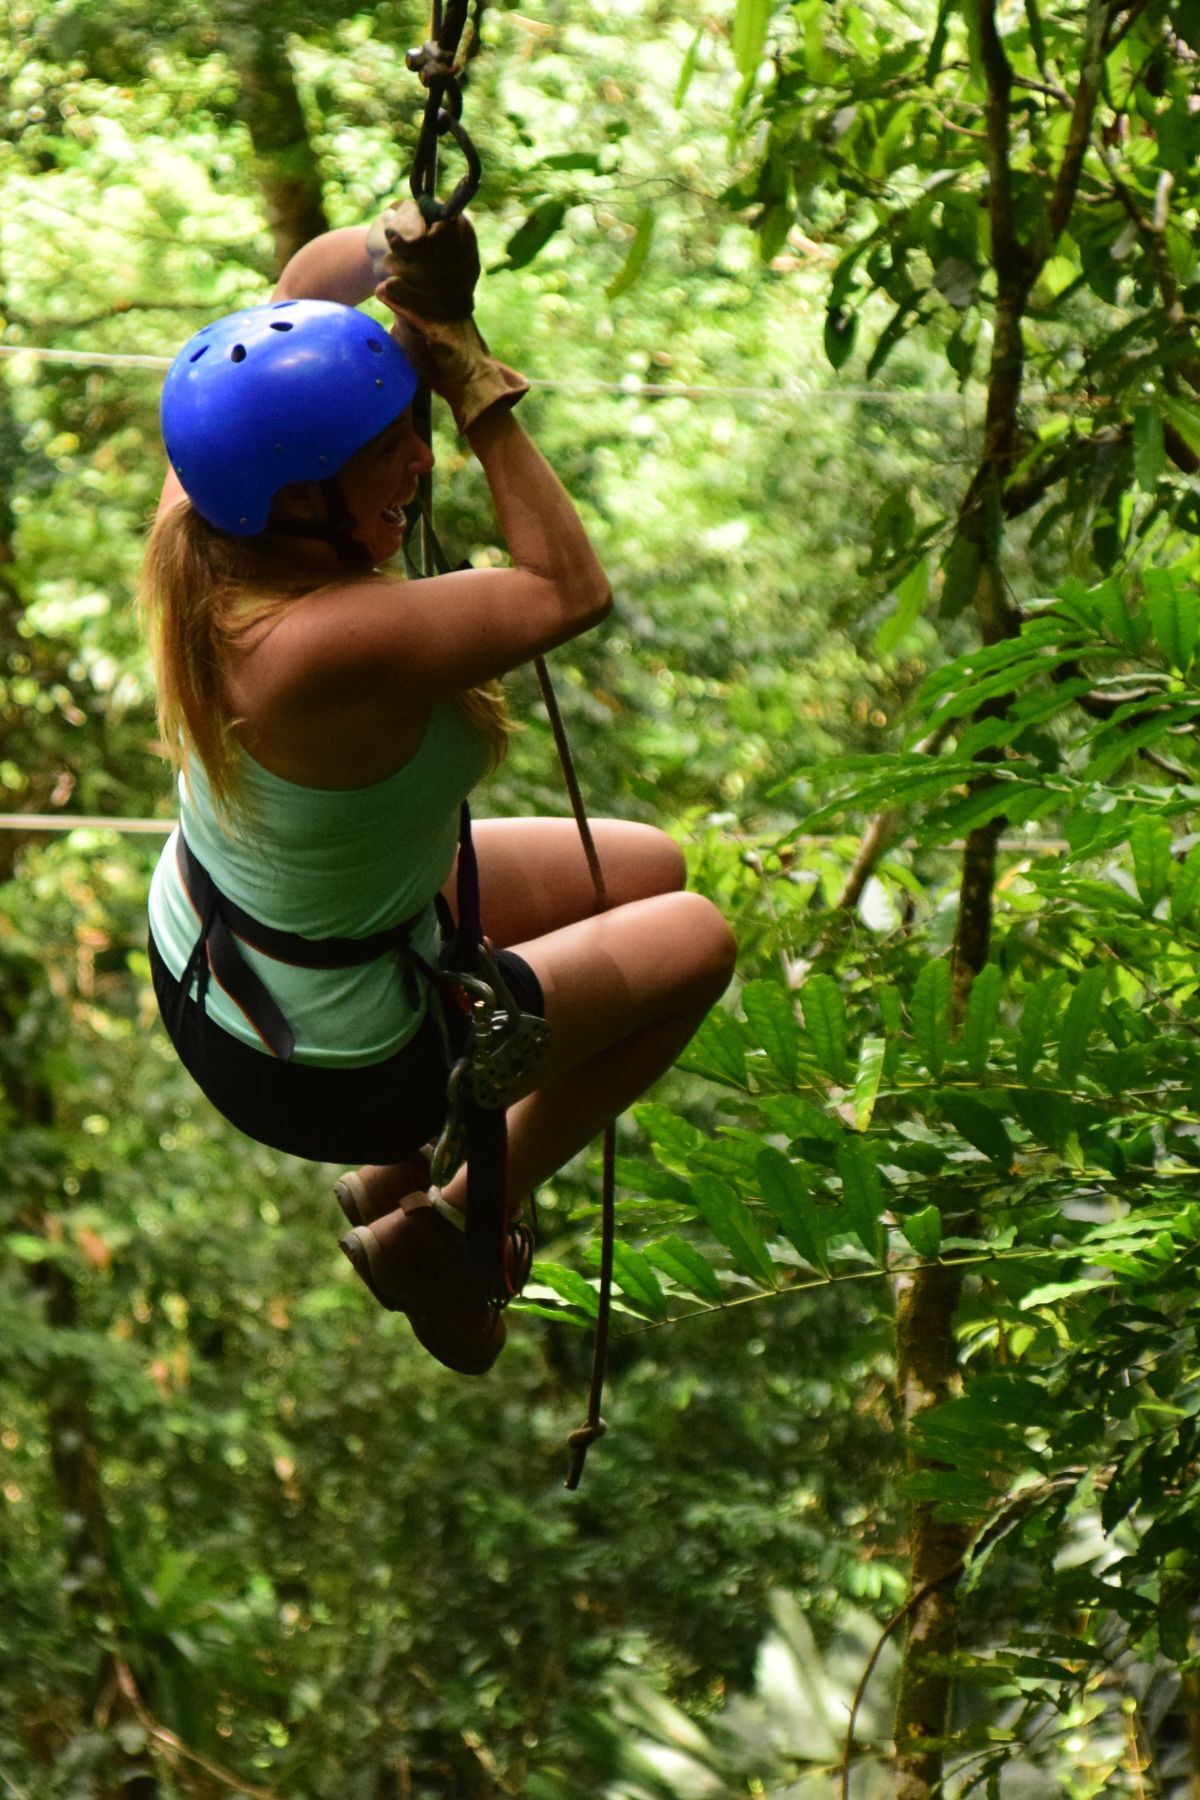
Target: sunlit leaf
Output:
{"points": [[637, 1280], [770, 1011], [732, 1224], [825, 1022], [862, 1195], [787, 1196], [639, 250], [685, 1266], [867, 1077]]}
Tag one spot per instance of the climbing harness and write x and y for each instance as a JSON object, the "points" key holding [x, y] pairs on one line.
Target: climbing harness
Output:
{"points": [[440, 63]]}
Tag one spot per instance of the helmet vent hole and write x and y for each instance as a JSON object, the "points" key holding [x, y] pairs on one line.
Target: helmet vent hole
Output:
{"points": [[282, 325], [375, 344], [197, 354], [238, 353]]}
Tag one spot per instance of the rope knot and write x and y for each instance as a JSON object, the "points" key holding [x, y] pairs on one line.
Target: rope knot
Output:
{"points": [[584, 1436], [579, 1443], [431, 62]]}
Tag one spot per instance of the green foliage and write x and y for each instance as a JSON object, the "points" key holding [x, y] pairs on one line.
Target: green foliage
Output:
{"points": [[1053, 1160], [319, 1561]]}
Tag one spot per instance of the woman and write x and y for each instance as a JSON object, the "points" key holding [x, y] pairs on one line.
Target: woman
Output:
{"points": [[328, 718]]}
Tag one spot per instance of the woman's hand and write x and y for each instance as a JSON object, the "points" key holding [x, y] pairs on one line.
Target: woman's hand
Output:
{"points": [[430, 293], [433, 269]]}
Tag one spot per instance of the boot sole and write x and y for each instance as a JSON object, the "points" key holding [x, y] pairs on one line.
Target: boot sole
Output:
{"points": [[362, 1253]]}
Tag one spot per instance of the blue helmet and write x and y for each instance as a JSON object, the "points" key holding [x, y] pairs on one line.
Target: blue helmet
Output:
{"points": [[275, 394]]}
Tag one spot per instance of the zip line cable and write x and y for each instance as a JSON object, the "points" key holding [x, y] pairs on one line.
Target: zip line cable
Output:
{"points": [[39, 823], [630, 385]]}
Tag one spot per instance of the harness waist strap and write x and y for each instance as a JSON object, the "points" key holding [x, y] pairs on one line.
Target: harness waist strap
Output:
{"points": [[287, 946]]}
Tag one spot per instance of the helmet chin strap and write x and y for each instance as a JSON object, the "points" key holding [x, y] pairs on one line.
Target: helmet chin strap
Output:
{"points": [[336, 528]]}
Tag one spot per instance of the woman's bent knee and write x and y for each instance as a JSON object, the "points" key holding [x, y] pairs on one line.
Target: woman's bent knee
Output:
{"points": [[648, 861], [709, 944]]}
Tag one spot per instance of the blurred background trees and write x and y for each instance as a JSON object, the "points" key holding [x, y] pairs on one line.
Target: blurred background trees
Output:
{"points": [[864, 338]]}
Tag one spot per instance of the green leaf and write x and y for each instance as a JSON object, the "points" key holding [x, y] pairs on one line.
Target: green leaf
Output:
{"points": [[637, 1280], [28, 1247], [749, 35], [1083, 1009], [825, 1022], [685, 1266], [770, 1011], [570, 1285], [867, 1078], [924, 1231], [675, 1141], [787, 1197], [645, 1178], [911, 594], [732, 1224], [862, 1196], [930, 1010], [1185, 886], [1150, 841], [979, 1125], [632, 267], [797, 1118], [773, 229], [983, 1011], [1037, 1017], [718, 1050], [1184, 415], [1149, 454], [688, 69], [534, 234], [841, 329], [1174, 613], [572, 159]]}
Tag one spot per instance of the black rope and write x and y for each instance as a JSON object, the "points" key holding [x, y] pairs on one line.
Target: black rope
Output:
{"points": [[436, 63]]}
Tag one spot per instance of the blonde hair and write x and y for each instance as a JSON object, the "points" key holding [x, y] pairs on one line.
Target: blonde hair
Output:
{"points": [[202, 594]]}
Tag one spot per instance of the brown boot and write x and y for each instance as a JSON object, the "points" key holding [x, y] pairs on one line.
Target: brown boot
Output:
{"points": [[365, 1201], [423, 1272]]}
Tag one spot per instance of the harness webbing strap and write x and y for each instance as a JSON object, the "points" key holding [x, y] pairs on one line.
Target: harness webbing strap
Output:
{"points": [[223, 922]]}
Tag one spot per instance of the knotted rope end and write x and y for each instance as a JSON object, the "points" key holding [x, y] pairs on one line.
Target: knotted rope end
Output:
{"points": [[579, 1443]]}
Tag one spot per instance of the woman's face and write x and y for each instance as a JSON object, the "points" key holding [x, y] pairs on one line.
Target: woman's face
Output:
{"points": [[380, 481]]}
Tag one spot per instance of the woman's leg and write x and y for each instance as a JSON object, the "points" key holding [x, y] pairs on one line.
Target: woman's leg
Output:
{"points": [[534, 880], [534, 876], [624, 994]]}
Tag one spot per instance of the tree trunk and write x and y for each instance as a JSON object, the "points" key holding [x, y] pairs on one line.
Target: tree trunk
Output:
{"points": [[927, 1369], [285, 163]]}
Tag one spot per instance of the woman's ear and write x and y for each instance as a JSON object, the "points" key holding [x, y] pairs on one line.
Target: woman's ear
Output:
{"points": [[298, 500]]}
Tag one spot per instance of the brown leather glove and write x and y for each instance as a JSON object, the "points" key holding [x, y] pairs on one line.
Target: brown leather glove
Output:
{"points": [[433, 269], [431, 293]]}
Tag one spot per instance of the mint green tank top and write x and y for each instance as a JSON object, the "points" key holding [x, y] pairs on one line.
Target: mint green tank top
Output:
{"points": [[328, 862]]}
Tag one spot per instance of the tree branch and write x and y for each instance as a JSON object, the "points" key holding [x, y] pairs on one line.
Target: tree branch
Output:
{"points": [[1113, 38], [998, 72], [1153, 232], [1086, 94]]}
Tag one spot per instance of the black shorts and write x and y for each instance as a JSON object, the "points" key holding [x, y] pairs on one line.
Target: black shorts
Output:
{"points": [[376, 1113]]}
